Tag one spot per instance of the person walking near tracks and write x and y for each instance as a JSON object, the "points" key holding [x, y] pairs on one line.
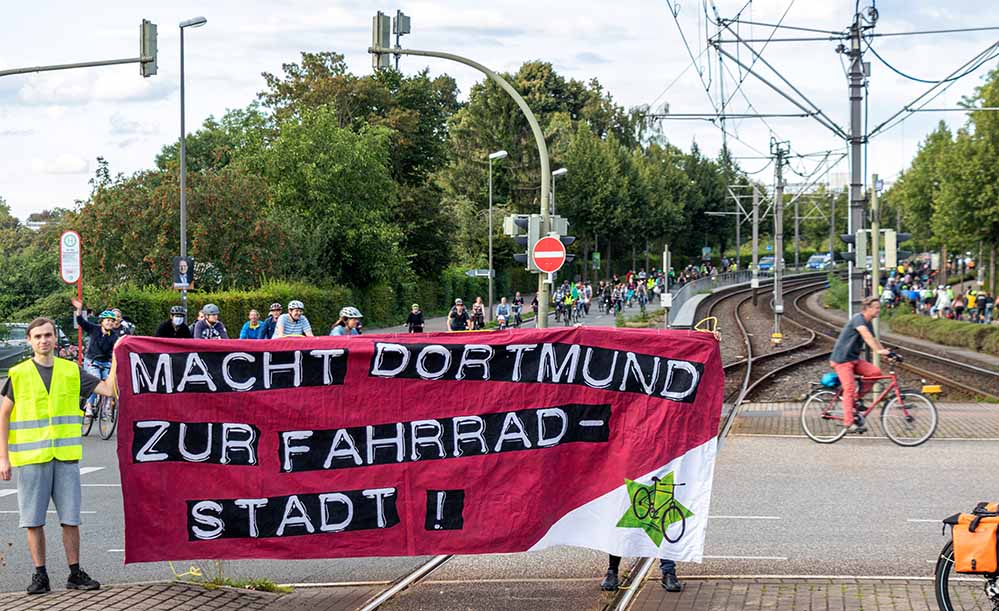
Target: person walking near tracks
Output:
{"points": [[846, 361], [40, 441]]}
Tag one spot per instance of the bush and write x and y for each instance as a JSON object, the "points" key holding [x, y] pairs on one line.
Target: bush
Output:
{"points": [[838, 295], [980, 338]]}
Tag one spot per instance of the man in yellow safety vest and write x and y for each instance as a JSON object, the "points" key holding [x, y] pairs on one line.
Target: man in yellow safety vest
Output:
{"points": [[40, 421]]}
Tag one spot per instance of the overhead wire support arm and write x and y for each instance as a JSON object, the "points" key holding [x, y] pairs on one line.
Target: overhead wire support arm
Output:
{"points": [[814, 113], [828, 122], [839, 34], [908, 108], [731, 115]]}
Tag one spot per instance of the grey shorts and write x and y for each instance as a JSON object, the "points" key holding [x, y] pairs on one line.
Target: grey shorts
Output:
{"points": [[56, 480]]}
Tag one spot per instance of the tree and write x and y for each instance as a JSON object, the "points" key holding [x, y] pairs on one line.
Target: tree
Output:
{"points": [[333, 193], [240, 133]]}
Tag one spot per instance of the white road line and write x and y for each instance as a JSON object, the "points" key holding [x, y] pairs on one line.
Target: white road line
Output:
{"points": [[778, 558], [49, 511], [8, 492], [86, 470], [101, 485], [744, 517], [116, 551]]}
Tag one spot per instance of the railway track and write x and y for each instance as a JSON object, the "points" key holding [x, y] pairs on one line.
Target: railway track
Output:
{"points": [[973, 380]]}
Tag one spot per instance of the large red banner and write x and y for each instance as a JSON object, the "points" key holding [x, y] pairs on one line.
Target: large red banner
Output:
{"points": [[390, 445]]}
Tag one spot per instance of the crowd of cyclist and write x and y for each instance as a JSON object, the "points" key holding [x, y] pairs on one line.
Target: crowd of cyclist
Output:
{"points": [[916, 286]]}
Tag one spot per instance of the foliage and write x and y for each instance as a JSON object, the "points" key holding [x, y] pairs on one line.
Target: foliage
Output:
{"points": [[837, 296], [976, 337]]}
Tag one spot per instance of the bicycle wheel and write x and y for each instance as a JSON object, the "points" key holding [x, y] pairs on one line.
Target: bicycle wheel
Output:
{"points": [[956, 592], [107, 418], [672, 511], [822, 417], [641, 503], [88, 422], [911, 421]]}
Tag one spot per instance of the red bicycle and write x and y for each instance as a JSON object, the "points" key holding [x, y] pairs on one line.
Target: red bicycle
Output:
{"points": [[908, 417]]}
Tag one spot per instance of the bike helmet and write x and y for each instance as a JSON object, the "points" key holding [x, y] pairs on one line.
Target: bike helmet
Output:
{"points": [[107, 314], [210, 309], [415, 306], [276, 307], [350, 312], [178, 311], [295, 304], [830, 379]]}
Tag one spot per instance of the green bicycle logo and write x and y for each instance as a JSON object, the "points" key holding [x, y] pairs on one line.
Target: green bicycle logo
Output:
{"points": [[655, 509]]}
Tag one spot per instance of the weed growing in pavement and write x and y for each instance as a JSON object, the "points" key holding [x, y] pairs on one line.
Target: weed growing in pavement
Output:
{"points": [[258, 585], [3, 554]]}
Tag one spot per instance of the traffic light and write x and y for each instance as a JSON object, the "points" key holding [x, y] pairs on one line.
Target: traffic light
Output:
{"points": [[381, 37], [892, 254], [560, 226], [859, 241], [147, 48], [525, 229]]}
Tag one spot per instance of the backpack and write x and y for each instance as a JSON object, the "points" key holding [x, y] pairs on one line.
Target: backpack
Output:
{"points": [[976, 549]]}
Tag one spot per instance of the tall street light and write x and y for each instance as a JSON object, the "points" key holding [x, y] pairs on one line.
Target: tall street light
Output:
{"points": [[556, 173], [196, 22], [492, 157]]}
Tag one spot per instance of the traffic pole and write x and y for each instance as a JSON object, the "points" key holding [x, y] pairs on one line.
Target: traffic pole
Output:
{"points": [[79, 329]]}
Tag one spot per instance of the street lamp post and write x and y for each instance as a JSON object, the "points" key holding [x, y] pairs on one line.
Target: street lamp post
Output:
{"points": [[196, 22], [492, 157]]}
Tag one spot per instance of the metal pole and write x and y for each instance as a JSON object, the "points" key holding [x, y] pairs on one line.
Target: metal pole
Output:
{"points": [[109, 62], [490, 315], [856, 216], [778, 245], [832, 224], [539, 139], [183, 170], [797, 237], [755, 281], [738, 234], [875, 257]]}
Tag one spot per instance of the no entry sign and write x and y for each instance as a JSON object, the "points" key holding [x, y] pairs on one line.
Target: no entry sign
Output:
{"points": [[549, 254]]}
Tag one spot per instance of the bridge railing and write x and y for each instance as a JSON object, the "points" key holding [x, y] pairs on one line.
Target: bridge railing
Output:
{"points": [[707, 284]]}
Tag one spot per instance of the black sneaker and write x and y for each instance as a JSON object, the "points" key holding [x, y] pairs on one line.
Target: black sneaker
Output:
{"points": [[82, 581], [859, 425], [671, 583], [39, 584], [610, 582]]}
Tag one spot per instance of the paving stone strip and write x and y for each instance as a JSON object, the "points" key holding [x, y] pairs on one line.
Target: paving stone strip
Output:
{"points": [[174, 596]]}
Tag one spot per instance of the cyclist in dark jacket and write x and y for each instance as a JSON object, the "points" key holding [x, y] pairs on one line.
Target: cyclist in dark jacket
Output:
{"points": [[103, 337], [175, 326]]}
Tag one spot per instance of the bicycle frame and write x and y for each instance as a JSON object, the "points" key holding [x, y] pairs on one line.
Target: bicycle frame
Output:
{"points": [[892, 387]]}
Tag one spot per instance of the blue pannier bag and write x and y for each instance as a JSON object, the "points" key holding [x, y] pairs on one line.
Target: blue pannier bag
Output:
{"points": [[830, 379]]}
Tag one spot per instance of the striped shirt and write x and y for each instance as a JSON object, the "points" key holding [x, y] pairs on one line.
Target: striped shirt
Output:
{"points": [[294, 327]]}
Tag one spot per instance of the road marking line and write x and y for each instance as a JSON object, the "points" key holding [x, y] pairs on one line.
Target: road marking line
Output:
{"points": [[744, 517], [86, 470], [49, 511], [101, 485], [8, 492], [778, 558], [116, 551]]}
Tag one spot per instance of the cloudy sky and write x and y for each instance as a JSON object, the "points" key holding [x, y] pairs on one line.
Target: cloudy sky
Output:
{"points": [[54, 125]]}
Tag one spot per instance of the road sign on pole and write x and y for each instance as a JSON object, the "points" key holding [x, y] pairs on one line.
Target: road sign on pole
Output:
{"points": [[549, 254], [71, 271], [69, 257]]}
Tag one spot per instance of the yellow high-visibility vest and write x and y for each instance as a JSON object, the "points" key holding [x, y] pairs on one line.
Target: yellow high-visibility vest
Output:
{"points": [[45, 425]]}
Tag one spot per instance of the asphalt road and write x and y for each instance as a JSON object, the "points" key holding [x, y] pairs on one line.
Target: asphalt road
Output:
{"points": [[781, 505]]}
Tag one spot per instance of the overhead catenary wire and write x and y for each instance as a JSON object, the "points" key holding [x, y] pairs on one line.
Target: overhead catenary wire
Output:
{"points": [[929, 81], [738, 86]]}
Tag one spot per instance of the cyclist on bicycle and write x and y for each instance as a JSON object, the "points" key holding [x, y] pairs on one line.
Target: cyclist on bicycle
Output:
{"points": [[103, 336], [478, 314], [294, 323], [846, 361], [175, 326], [503, 309], [350, 319], [211, 327], [457, 318], [518, 308]]}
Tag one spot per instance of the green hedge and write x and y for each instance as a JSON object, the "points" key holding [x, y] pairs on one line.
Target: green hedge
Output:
{"points": [[382, 305], [980, 338]]}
